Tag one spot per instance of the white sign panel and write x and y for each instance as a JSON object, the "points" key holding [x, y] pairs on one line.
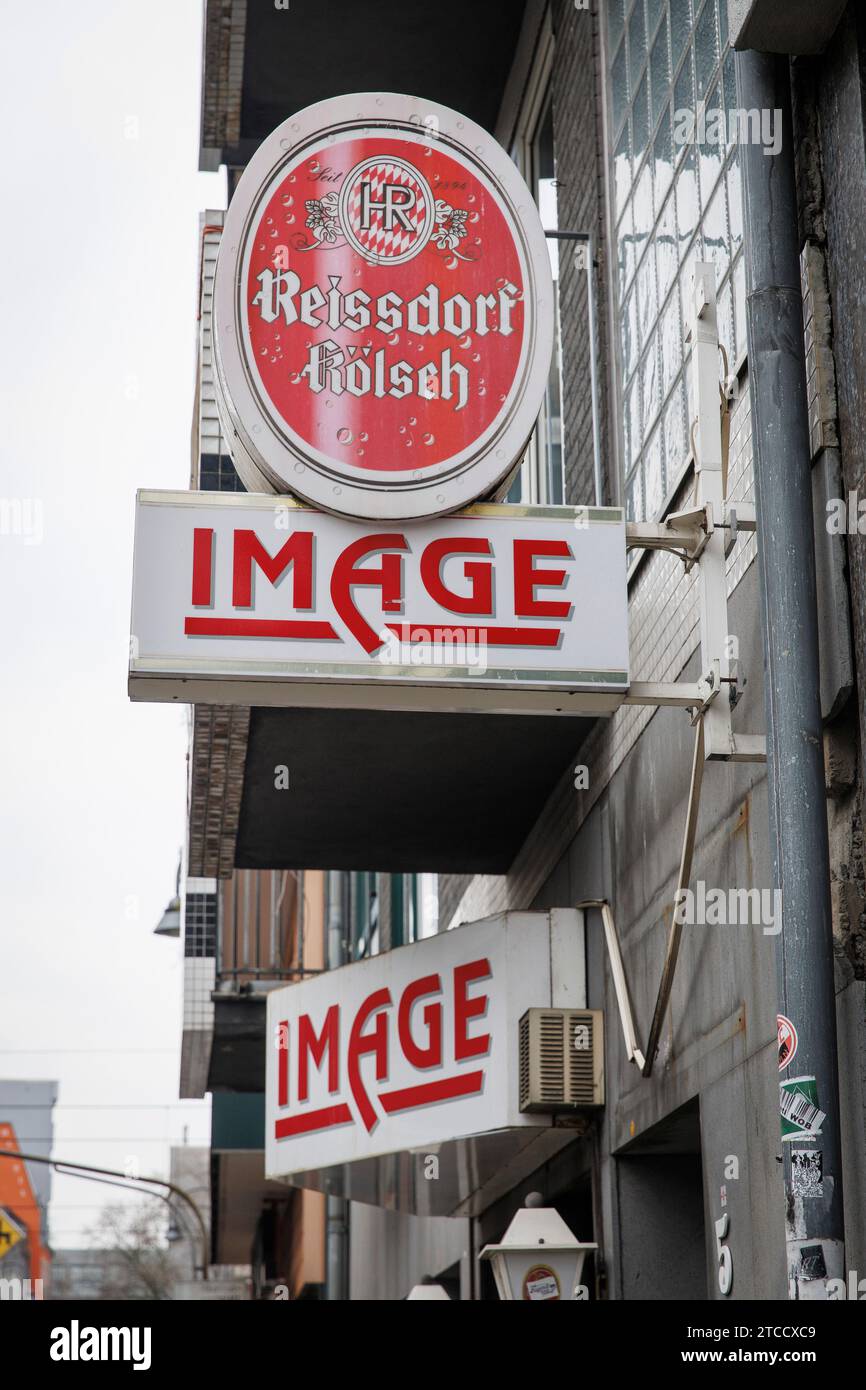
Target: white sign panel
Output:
{"points": [[264, 601], [416, 1046]]}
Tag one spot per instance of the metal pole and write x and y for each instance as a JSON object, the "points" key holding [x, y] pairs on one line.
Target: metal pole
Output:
{"points": [[337, 1208], [593, 375], [676, 927], [86, 1170], [620, 983], [132, 1186], [795, 761], [300, 885]]}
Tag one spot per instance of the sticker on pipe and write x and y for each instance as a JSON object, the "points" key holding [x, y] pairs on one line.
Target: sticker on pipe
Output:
{"points": [[798, 1102], [789, 1041], [383, 324]]}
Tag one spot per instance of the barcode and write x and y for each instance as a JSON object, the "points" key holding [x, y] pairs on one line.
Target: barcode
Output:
{"points": [[800, 1111]]}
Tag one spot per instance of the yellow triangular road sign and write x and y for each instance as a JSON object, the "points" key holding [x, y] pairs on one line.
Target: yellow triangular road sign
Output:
{"points": [[10, 1233]]}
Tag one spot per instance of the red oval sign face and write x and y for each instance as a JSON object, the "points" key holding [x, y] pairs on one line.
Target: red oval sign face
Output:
{"points": [[383, 324], [388, 333]]}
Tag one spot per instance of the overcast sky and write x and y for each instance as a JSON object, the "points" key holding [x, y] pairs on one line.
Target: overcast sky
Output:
{"points": [[98, 236]]}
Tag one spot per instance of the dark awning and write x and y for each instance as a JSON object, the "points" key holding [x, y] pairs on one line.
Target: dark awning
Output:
{"points": [[261, 63], [399, 792]]}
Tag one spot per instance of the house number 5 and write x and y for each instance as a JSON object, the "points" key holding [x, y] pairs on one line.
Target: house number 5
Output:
{"points": [[726, 1263]]}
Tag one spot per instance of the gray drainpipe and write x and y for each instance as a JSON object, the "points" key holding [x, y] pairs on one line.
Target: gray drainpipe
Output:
{"points": [[795, 750], [337, 1209]]}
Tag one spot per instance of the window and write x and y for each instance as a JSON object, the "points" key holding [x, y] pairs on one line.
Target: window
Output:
{"points": [[414, 907], [401, 909], [428, 905], [546, 444], [200, 924], [675, 193], [540, 479], [364, 915]]}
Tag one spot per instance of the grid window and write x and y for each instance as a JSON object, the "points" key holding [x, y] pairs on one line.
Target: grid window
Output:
{"points": [[217, 474], [676, 198], [200, 924]]}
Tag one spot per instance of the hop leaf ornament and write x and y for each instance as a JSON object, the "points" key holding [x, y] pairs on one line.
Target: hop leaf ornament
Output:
{"points": [[450, 225], [322, 217]]}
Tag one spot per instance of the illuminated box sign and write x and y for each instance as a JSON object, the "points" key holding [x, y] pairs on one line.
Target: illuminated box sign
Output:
{"points": [[383, 310], [416, 1046], [524, 607]]}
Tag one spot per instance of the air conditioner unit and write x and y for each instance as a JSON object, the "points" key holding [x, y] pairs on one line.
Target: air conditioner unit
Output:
{"points": [[561, 1059]]}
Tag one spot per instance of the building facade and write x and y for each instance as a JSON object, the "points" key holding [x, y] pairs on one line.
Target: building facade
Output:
{"points": [[625, 119], [26, 1126]]}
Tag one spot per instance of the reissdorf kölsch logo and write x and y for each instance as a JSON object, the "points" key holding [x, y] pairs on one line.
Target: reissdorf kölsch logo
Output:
{"points": [[375, 331], [386, 210], [383, 319]]}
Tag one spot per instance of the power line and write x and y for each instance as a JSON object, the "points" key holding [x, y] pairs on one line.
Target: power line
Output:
{"points": [[81, 1051], [89, 1172], [105, 1105], [176, 1139]]}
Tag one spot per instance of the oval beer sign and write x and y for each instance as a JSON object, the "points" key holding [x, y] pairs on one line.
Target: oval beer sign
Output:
{"points": [[383, 315]]}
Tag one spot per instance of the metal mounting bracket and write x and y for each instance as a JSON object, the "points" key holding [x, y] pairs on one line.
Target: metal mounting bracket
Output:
{"points": [[703, 536], [620, 983], [682, 533], [617, 967]]}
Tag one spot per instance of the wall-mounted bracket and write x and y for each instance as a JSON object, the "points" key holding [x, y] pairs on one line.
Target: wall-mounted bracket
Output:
{"points": [[703, 536], [683, 533], [617, 967], [620, 984], [693, 695], [739, 516]]}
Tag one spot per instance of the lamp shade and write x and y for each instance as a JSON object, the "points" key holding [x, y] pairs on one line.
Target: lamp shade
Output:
{"points": [[169, 922], [538, 1259]]}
